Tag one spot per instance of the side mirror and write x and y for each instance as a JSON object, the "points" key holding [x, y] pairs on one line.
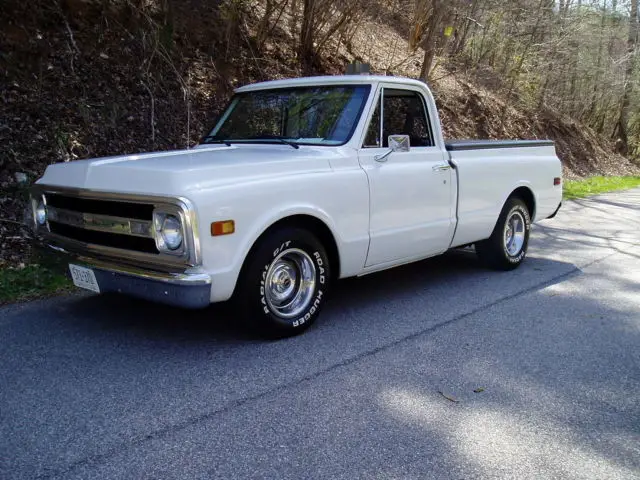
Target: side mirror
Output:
{"points": [[397, 143]]}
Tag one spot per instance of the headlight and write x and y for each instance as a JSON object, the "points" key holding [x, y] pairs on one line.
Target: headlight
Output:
{"points": [[169, 235], [41, 213], [172, 232]]}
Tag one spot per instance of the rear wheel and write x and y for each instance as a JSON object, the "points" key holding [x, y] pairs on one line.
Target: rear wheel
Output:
{"points": [[284, 284], [507, 246]]}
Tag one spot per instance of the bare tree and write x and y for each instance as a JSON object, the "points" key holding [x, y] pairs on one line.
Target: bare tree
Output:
{"points": [[323, 21], [426, 30], [267, 23], [306, 52], [632, 54]]}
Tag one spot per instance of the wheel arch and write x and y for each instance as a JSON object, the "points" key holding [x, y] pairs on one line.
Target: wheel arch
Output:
{"points": [[308, 222], [488, 249], [524, 193]]}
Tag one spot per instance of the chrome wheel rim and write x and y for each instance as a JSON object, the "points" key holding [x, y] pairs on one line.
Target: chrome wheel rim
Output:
{"points": [[514, 232], [290, 283]]}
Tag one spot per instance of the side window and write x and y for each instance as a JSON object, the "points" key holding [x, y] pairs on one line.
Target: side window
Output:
{"points": [[372, 139], [405, 114]]}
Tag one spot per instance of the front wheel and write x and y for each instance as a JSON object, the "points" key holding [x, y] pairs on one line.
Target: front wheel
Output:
{"points": [[506, 248], [284, 283]]}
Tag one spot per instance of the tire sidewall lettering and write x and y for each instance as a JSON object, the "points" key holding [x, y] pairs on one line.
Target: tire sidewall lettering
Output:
{"points": [[321, 269]]}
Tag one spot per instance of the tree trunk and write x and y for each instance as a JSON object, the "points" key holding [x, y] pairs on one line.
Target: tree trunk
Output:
{"points": [[263, 25], [461, 41], [543, 91], [591, 116], [622, 141], [515, 73], [293, 18], [306, 52], [429, 42]]}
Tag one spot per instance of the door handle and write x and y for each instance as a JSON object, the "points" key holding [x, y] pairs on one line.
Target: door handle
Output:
{"points": [[441, 167]]}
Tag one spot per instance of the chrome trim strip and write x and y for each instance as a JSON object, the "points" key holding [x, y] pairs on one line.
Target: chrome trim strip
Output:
{"points": [[100, 223], [176, 278], [158, 261], [161, 261], [455, 145]]}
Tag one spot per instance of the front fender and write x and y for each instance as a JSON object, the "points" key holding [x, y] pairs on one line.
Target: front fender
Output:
{"points": [[225, 273], [275, 215]]}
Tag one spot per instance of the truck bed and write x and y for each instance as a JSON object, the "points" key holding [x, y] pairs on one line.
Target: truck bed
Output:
{"points": [[463, 144], [488, 171]]}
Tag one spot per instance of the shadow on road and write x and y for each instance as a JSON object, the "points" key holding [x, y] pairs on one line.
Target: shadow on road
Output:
{"points": [[110, 312], [560, 387], [98, 374], [630, 201], [557, 367]]}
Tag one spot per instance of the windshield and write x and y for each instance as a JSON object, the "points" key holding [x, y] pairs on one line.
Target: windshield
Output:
{"points": [[319, 115]]}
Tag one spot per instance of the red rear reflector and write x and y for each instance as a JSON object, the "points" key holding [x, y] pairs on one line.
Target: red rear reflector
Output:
{"points": [[557, 181]]}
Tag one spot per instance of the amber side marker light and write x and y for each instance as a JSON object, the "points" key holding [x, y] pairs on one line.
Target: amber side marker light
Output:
{"points": [[224, 227]]}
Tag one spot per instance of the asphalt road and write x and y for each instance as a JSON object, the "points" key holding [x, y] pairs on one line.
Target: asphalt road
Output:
{"points": [[386, 385]]}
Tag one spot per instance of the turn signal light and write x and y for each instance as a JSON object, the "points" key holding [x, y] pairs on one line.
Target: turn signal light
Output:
{"points": [[224, 227]]}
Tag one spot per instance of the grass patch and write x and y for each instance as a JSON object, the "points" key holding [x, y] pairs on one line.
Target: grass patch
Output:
{"points": [[595, 185], [31, 282]]}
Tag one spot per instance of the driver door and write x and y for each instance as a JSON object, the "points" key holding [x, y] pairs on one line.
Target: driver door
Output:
{"points": [[411, 204]]}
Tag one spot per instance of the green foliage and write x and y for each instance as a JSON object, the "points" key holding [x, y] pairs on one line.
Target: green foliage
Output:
{"points": [[595, 185], [30, 282]]}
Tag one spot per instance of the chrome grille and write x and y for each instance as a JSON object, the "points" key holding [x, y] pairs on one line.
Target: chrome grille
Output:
{"points": [[114, 226], [101, 223], [122, 225], [141, 211]]}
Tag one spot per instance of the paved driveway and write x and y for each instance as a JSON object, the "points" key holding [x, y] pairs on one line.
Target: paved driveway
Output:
{"points": [[440, 369]]}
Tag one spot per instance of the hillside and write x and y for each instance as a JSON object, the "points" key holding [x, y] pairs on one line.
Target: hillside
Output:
{"points": [[84, 78]]}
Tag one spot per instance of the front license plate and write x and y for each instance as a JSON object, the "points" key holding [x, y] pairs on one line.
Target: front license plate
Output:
{"points": [[84, 278]]}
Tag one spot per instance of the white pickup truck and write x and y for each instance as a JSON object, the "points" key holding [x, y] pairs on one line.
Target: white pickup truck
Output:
{"points": [[299, 183]]}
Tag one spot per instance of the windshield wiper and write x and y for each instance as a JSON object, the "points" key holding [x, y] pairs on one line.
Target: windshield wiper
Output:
{"points": [[275, 137], [215, 139]]}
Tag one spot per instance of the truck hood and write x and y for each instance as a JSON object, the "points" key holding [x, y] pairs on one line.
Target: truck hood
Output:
{"points": [[178, 172]]}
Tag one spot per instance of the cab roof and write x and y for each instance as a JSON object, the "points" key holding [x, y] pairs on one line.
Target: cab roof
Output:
{"points": [[331, 80]]}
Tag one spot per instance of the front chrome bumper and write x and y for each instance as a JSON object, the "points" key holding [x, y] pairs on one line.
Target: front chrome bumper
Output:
{"points": [[181, 289]]}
